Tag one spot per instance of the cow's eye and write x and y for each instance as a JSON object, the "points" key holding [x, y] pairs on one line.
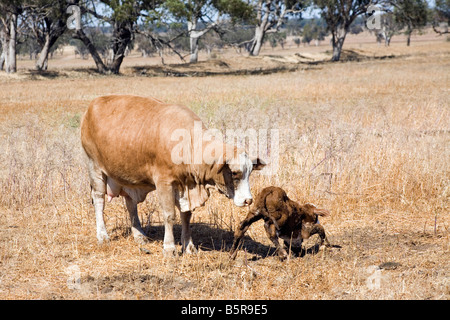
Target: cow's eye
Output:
{"points": [[236, 175]]}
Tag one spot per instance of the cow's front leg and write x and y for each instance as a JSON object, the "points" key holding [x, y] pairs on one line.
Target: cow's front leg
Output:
{"points": [[186, 238], [167, 202], [136, 229]]}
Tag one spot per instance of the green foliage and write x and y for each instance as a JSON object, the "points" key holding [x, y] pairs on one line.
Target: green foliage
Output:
{"points": [[342, 12], [442, 11], [314, 30], [276, 38], [180, 9], [238, 10], [411, 14], [238, 33]]}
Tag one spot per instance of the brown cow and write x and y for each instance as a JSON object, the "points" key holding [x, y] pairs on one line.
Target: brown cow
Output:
{"points": [[133, 147]]}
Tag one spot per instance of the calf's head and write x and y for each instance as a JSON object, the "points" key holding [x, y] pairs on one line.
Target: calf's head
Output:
{"points": [[310, 220]]}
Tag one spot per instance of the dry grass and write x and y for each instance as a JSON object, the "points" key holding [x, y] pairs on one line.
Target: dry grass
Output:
{"points": [[368, 140]]}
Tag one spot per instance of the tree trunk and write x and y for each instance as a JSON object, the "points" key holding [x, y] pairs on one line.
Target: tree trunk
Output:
{"points": [[93, 51], [10, 58], [122, 37], [408, 33], [257, 41], [41, 63], [387, 41], [4, 48], [337, 42], [193, 42], [2, 60], [54, 30]]}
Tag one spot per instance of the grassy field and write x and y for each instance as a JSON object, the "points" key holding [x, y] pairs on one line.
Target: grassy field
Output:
{"points": [[368, 140]]}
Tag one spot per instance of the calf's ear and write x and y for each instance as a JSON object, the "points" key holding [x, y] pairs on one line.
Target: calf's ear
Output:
{"points": [[258, 164], [321, 212]]}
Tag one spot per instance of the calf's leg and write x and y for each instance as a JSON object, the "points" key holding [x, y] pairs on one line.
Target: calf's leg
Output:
{"points": [[239, 233], [271, 231], [317, 228]]}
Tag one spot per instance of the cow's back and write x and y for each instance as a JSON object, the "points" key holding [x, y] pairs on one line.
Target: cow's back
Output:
{"points": [[128, 137]]}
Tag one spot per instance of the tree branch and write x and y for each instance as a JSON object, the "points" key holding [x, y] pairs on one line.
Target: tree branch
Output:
{"points": [[159, 43], [439, 32]]}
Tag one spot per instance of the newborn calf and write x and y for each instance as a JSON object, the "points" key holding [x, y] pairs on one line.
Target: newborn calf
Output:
{"points": [[283, 218]]}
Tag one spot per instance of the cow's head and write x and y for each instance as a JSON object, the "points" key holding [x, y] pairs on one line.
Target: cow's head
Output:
{"points": [[233, 173]]}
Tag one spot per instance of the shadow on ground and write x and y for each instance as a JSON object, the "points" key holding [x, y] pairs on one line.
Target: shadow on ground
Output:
{"points": [[208, 237]]}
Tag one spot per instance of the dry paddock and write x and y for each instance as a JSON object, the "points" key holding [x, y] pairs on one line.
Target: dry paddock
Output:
{"points": [[368, 140]]}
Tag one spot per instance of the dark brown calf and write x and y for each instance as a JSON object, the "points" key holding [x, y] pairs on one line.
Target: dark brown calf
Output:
{"points": [[283, 218]]}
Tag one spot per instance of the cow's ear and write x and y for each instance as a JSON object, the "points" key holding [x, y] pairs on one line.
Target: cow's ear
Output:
{"points": [[221, 166], [258, 164], [321, 212]]}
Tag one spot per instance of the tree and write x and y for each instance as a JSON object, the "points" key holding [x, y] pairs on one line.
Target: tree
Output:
{"points": [[441, 15], [9, 16], [276, 38], [239, 36], [411, 14], [313, 30], [270, 15], [48, 21], [122, 17], [389, 27], [339, 15], [202, 16]]}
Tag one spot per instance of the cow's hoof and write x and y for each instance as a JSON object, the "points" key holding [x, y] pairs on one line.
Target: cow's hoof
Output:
{"points": [[102, 238], [139, 238], [190, 249], [170, 252]]}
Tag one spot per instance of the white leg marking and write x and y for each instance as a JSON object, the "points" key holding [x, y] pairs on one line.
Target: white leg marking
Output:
{"points": [[99, 204]]}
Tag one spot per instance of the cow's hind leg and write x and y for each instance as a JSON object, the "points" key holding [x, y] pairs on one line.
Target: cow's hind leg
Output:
{"points": [[136, 229], [98, 191], [186, 238]]}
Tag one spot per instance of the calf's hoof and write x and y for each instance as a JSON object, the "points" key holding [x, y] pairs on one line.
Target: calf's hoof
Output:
{"points": [[282, 254]]}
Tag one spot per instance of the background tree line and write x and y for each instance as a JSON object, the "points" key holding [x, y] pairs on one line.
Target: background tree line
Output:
{"points": [[110, 28]]}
